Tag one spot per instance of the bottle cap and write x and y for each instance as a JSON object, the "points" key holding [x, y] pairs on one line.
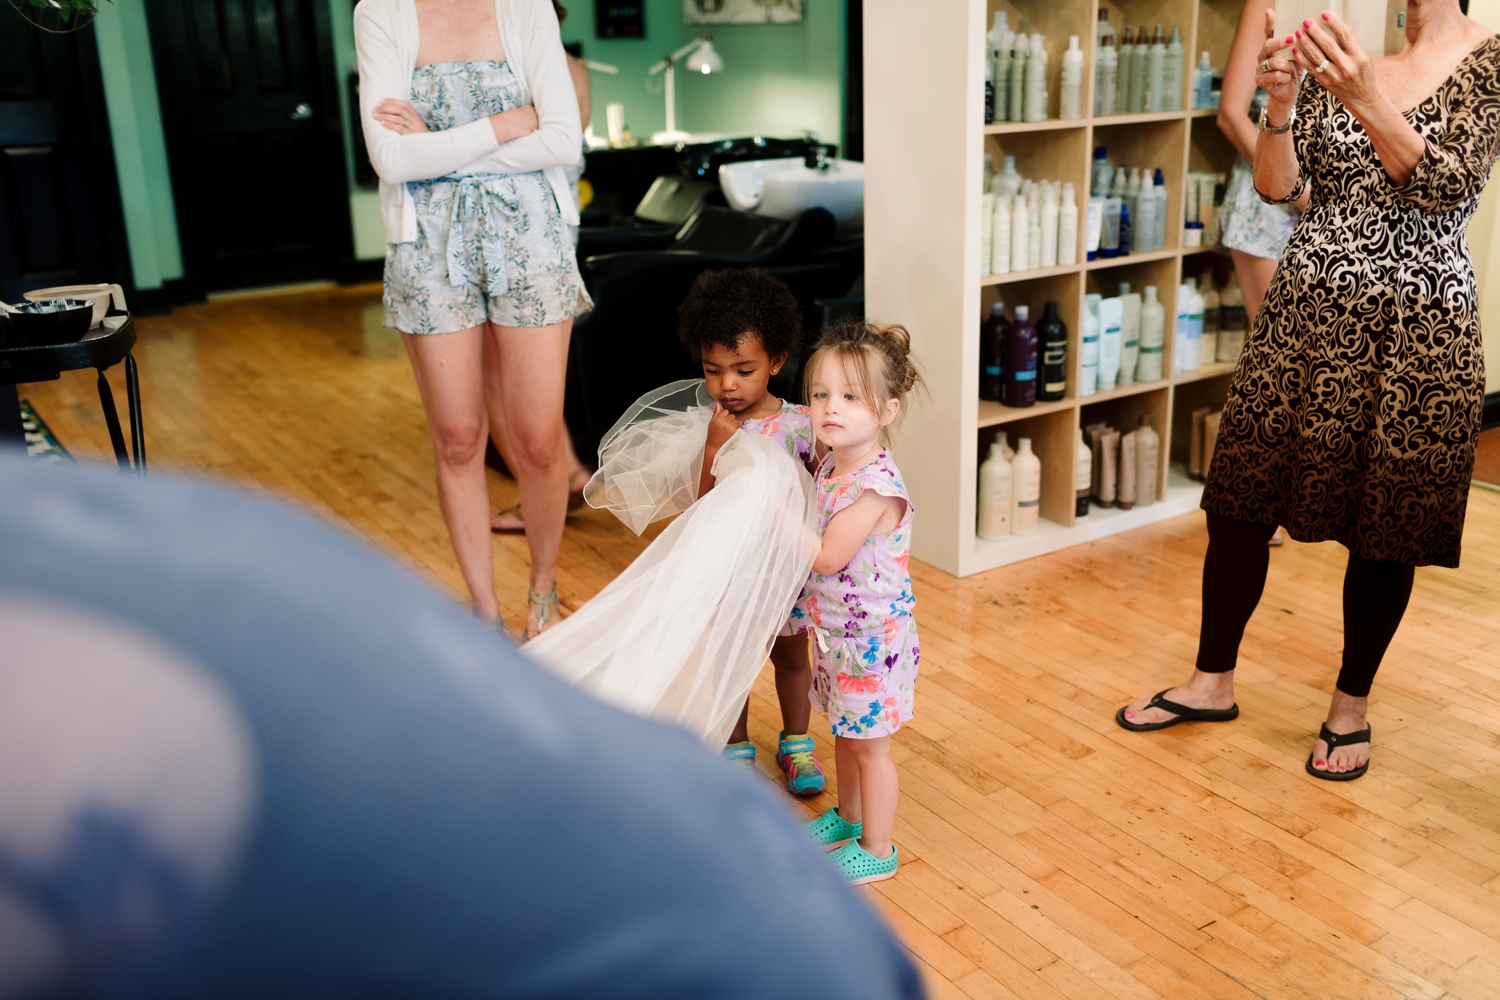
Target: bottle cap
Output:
{"points": [[1023, 313], [1176, 35], [1157, 179], [1024, 444], [1103, 14], [1150, 291], [1073, 47], [1145, 420], [997, 308], [1099, 153], [1008, 163], [1124, 288]]}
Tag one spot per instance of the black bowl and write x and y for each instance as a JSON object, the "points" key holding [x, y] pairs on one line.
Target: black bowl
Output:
{"points": [[43, 324]]}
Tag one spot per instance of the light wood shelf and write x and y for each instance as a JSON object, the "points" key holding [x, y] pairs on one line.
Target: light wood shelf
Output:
{"points": [[924, 145]]}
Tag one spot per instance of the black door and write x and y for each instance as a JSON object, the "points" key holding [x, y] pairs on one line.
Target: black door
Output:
{"points": [[251, 113], [60, 216]]}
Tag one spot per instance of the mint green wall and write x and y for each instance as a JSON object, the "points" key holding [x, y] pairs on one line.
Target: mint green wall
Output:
{"points": [[140, 149], [779, 79]]}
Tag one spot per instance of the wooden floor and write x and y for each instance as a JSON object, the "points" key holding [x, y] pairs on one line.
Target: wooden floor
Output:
{"points": [[1046, 853]]}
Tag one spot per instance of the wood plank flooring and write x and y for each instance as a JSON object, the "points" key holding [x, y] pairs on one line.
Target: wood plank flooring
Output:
{"points": [[1046, 853]]}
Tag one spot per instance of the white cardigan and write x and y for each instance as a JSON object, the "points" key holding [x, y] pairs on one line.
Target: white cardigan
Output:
{"points": [[386, 39]]}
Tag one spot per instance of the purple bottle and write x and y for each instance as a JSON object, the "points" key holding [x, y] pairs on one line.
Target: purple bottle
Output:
{"points": [[1021, 360], [992, 353]]}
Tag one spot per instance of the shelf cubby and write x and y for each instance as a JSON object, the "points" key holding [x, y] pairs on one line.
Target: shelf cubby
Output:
{"points": [[923, 155]]}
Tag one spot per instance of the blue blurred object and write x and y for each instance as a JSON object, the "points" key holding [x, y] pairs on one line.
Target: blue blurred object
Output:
{"points": [[358, 790]]}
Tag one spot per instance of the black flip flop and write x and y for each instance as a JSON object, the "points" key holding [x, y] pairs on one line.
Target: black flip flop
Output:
{"points": [[1339, 739], [1183, 712]]}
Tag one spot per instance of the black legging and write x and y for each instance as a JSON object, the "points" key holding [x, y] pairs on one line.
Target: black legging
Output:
{"points": [[1234, 575]]}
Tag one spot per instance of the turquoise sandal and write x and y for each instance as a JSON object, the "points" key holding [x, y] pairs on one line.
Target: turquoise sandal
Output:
{"points": [[830, 830], [860, 866]]}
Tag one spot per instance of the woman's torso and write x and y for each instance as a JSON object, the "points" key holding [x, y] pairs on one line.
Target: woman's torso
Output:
{"points": [[450, 94]]}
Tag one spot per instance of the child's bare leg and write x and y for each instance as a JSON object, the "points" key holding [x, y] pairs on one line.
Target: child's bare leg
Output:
{"points": [[846, 761], [741, 731], [793, 680], [877, 786]]}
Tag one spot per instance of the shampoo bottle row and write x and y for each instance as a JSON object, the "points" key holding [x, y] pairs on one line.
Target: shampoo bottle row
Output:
{"points": [[1126, 211], [1021, 363], [1142, 75], [1122, 340], [1123, 467], [1026, 225], [1015, 75], [1010, 490], [1204, 193]]}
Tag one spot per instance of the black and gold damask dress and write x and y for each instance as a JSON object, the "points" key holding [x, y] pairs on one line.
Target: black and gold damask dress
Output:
{"points": [[1354, 411]]}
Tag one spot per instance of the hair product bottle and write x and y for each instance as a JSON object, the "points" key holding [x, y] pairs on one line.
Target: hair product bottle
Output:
{"points": [[1067, 227], [1109, 343], [1180, 330], [1210, 317], [994, 495], [1034, 230], [1194, 359], [1119, 192], [1125, 66], [1102, 174], [1020, 227], [1231, 320], [992, 353], [1156, 57], [1130, 333], [1002, 40], [989, 92], [986, 231], [1153, 328], [1171, 73], [1125, 492], [1088, 352], [1143, 222], [1070, 104], [1016, 85], [1109, 239], [1053, 334], [1106, 81], [1049, 225], [1147, 447], [1141, 71], [1026, 489], [1083, 475], [1000, 236], [1109, 452], [1159, 189], [1021, 361], [1007, 182], [1005, 448], [1037, 100]]}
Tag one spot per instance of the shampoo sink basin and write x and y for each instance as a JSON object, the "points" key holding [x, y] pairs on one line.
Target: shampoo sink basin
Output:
{"points": [[782, 188]]}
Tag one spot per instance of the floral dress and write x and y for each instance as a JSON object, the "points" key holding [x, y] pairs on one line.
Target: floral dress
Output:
{"points": [[1354, 412], [865, 653], [489, 246]]}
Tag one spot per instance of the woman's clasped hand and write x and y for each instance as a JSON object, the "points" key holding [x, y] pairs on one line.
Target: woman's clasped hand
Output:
{"points": [[399, 116]]}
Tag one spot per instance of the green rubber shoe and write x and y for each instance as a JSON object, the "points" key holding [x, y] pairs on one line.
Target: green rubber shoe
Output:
{"points": [[860, 866], [741, 754], [830, 830]]}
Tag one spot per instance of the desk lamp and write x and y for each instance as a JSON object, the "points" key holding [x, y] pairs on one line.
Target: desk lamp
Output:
{"points": [[703, 58]]}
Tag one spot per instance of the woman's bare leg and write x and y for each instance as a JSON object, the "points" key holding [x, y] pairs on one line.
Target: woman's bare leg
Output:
{"points": [[446, 368], [1255, 278], [510, 519], [531, 365]]}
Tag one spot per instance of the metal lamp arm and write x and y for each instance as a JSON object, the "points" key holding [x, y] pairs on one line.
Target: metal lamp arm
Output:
{"points": [[680, 54]]}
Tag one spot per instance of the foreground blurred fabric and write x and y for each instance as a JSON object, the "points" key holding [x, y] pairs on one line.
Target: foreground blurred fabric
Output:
{"points": [[242, 754]]}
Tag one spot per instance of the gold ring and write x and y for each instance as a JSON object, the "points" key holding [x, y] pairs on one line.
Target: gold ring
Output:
{"points": [[1265, 65]]}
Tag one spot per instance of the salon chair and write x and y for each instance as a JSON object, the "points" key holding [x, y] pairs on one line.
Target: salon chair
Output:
{"points": [[627, 345]]}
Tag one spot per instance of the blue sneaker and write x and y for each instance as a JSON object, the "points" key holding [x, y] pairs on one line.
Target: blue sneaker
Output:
{"points": [[741, 754], [860, 866], [794, 755]]}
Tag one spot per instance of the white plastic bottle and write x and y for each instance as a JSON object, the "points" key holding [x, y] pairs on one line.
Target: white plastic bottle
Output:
{"points": [[1106, 80], [1109, 343], [1147, 453], [1130, 333], [1049, 226], [1000, 236], [1171, 73], [1203, 82], [1020, 227], [1002, 40], [1071, 90], [1025, 489], [1083, 475], [1125, 66], [1159, 189], [1156, 58], [986, 231], [1034, 230], [1094, 226], [1007, 182], [1067, 227], [1180, 330], [1037, 98], [995, 494], [1140, 71], [1088, 354], [1016, 84], [1005, 449], [1210, 317], [1194, 359], [1153, 330]]}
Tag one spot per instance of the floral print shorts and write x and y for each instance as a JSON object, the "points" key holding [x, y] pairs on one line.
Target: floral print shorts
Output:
{"points": [[866, 683]]}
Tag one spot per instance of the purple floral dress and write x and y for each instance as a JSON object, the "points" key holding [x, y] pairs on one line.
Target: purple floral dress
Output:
{"points": [[792, 424], [865, 653]]}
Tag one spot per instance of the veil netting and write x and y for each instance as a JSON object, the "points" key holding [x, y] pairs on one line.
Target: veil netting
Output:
{"points": [[681, 634]]}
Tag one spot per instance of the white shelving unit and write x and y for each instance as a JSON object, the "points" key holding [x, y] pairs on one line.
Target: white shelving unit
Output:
{"points": [[925, 139]]}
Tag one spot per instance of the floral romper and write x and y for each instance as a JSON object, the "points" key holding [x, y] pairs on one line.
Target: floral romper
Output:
{"points": [[865, 653], [488, 246]]}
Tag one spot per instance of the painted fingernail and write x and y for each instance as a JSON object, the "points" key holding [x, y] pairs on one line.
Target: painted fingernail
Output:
{"points": [[1306, 23], [1289, 39], [1294, 52], [1326, 15]]}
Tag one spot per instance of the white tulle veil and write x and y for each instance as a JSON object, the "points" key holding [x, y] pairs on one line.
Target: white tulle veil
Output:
{"points": [[683, 632]]}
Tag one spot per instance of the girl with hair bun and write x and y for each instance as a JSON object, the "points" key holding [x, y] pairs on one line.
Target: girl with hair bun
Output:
{"points": [[858, 600]]}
